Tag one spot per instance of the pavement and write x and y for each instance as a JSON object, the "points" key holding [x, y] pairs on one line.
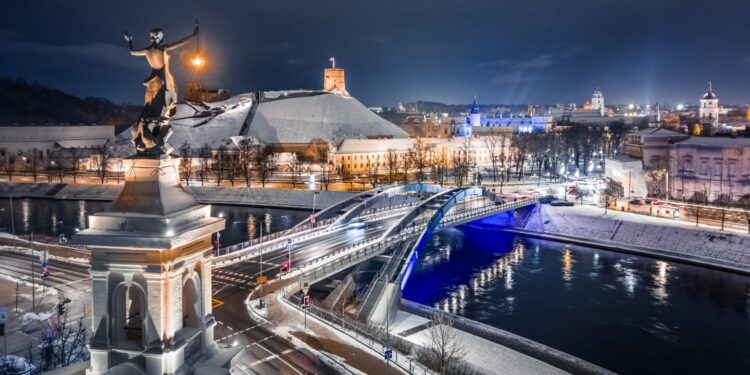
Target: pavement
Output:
{"points": [[267, 352]]}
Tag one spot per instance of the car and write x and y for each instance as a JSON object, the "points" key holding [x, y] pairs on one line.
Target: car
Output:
{"points": [[358, 223], [559, 203]]}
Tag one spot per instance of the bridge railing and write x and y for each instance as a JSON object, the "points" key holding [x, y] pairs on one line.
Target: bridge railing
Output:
{"points": [[272, 236], [361, 334]]}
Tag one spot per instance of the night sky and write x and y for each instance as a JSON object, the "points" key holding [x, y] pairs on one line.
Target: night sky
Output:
{"points": [[540, 51]]}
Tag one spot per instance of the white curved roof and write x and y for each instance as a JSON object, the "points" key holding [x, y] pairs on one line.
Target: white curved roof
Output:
{"points": [[318, 116], [282, 117]]}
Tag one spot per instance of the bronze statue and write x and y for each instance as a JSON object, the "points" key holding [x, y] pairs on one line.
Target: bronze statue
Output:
{"points": [[152, 130]]}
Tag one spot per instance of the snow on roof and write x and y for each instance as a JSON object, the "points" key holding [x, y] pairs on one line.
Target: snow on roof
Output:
{"points": [[659, 132], [352, 146], [318, 117], [715, 142], [211, 123]]}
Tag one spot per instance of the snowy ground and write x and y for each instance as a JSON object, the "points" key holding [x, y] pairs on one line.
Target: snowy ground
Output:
{"points": [[678, 237], [485, 355]]}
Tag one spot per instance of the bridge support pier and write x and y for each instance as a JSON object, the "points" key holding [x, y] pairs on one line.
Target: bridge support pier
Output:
{"points": [[386, 308]]}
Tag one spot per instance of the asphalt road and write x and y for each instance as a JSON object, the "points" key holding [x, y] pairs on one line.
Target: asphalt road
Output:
{"points": [[266, 352]]}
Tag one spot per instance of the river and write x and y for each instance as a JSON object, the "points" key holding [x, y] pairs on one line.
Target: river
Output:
{"points": [[629, 314], [50, 218]]}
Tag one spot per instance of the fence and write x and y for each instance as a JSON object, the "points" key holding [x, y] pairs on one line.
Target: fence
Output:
{"points": [[361, 334]]}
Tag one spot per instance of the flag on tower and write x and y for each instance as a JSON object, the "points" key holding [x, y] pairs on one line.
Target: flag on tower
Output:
{"points": [[333, 61]]}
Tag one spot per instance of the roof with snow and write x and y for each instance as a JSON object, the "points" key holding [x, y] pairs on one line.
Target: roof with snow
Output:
{"points": [[318, 115], [715, 142], [280, 117], [659, 133]]}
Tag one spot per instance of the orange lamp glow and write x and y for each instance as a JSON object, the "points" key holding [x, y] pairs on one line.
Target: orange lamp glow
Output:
{"points": [[198, 61]]}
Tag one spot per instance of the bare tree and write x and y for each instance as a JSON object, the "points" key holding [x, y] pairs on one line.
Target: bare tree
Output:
{"points": [[462, 163], [418, 155], [220, 164], [439, 162], [320, 153], [63, 345], [495, 144], [105, 159], [372, 172], [444, 348], [295, 168], [9, 163], [204, 162], [76, 155], [245, 161], [406, 164], [186, 162], [391, 161], [34, 162], [56, 166], [264, 162]]}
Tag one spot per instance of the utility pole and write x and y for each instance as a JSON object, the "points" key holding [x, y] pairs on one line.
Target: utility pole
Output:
{"points": [[261, 302], [33, 286]]}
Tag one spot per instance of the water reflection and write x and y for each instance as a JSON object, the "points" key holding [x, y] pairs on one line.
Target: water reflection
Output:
{"points": [[670, 315]]}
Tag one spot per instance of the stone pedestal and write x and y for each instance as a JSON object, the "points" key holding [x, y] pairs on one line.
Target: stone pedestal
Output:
{"points": [[151, 260]]}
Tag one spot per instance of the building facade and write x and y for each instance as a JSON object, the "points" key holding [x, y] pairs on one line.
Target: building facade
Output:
{"points": [[475, 120], [712, 169], [651, 146]]}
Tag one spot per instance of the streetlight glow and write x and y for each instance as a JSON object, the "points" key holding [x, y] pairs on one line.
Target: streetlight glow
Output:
{"points": [[198, 61]]}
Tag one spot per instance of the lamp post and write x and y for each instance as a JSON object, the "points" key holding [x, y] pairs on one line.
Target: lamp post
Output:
{"points": [[312, 217]]}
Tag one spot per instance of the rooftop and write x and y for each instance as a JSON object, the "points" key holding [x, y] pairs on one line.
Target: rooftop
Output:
{"points": [[715, 142]]}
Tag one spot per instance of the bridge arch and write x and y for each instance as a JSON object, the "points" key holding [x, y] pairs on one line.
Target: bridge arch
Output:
{"points": [[456, 196], [379, 195]]}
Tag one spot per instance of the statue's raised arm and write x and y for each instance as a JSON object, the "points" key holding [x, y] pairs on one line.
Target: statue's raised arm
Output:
{"points": [[133, 51], [183, 41]]}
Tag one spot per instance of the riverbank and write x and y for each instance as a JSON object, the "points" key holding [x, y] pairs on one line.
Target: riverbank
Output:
{"points": [[638, 234], [240, 196], [490, 349]]}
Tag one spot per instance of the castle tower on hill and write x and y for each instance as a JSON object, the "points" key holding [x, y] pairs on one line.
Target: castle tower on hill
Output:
{"points": [[334, 79]]}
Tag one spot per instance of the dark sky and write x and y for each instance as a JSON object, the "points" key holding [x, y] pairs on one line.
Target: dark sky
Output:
{"points": [[538, 51]]}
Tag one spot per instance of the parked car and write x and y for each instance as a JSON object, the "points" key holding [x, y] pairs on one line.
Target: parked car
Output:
{"points": [[559, 203]]}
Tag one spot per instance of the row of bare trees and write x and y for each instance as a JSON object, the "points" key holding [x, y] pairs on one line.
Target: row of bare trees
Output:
{"points": [[55, 166]]}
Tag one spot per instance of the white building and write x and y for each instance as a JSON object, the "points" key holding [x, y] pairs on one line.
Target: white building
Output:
{"points": [[597, 101], [627, 174], [518, 124], [707, 168], [20, 139]]}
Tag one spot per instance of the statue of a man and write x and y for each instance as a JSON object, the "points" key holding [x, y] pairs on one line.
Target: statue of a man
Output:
{"points": [[151, 133]]}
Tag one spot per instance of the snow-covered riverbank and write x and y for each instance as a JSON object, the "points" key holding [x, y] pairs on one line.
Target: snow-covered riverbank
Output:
{"points": [[670, 239]]}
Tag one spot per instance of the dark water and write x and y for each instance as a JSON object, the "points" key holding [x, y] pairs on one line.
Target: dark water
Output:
{"points": [[629, 314], [49, 218]]}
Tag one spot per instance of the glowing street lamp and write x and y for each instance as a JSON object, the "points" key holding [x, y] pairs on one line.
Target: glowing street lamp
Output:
{"points": [[198, 61]]}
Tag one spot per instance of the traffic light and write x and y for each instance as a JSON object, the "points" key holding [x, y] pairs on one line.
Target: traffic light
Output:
{"points": [[45, 271], [285, 267], [60, 309]]}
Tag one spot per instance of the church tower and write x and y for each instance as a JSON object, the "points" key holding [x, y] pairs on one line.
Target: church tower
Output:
{"points": [[334, 79], [151, 258], [597, 101], [708, 112], [475, 117]]}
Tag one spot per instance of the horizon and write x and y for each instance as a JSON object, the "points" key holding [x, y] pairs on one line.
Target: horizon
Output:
{"points": [[628, 51]]}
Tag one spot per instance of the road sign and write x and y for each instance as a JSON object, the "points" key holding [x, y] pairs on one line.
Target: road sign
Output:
{"points": [[306, 302], [312, 218], [388, 354], [305, 288], [261, 279], [289, 244], [3, 314]]}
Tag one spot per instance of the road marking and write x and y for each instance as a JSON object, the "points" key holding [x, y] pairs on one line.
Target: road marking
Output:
{"points": [[216, 303], [270, 358]]}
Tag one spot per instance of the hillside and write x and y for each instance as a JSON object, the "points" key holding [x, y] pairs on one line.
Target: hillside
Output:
{"points": [[22, 103]]}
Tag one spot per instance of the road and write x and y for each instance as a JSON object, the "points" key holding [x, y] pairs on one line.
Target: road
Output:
{"points": [[266, 352]]}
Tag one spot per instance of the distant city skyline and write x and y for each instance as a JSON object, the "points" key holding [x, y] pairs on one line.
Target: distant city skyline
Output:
{"points": [[510, 53]]}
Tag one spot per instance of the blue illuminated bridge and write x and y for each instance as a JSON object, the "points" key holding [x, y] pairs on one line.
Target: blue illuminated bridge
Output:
{"points": [[371, 240]]}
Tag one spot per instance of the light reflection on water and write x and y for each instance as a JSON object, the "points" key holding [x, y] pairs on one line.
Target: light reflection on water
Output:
{"points": [[594, 304]]}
